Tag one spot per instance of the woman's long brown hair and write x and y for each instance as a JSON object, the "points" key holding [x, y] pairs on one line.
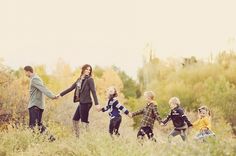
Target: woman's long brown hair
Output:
{"points": [[84, 67]]}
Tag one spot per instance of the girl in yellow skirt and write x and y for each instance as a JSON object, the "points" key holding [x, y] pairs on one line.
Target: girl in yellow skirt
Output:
{"points": [[203, 124]]}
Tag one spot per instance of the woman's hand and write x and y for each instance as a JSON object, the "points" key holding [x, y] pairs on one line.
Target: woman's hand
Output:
{"points": [[57, 96], [98, 107]]}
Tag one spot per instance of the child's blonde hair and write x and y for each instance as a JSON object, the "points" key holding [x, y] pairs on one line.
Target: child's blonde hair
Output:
{"points": [[150, 94], [174, 100], [112, 92]]}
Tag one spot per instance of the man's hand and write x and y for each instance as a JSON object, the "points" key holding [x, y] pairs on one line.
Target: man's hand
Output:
{"points": [[57, 96]]}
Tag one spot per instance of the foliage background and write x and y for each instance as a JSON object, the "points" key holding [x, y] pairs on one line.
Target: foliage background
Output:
{"points": [[194, 81]]}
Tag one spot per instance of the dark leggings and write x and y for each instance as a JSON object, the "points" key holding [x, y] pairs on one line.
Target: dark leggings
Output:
{"points": [[115, 125], [35, 118], [82, 112]]}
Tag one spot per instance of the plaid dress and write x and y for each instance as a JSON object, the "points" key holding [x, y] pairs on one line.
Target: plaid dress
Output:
{"points": [[150, 114]]}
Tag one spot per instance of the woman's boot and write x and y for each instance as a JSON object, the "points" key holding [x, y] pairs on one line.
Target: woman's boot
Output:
{"points": [[85, 126], [76, 128]]}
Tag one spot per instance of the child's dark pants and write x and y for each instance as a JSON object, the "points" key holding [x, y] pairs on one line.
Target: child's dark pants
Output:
{"points": [[181, 132], [115, 125], [146, 131]]}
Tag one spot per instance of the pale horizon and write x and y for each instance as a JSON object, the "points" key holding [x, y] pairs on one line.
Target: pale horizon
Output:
{"points": [[106, 33]]}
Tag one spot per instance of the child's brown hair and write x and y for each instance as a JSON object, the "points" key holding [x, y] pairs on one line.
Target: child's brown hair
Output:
{"points": [[204, 108]]}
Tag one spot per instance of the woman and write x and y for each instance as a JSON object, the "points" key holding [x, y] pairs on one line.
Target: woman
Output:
{"points": [[83, 86]]}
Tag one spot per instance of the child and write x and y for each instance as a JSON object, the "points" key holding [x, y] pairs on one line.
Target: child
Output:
{"points": [[203, 124], [178, 118], [150, 114], [114, 108]]}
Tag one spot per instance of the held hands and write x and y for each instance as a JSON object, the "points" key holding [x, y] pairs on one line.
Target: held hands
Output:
{"points": [[130, 115], [57, 97], [98, 107], [190, 128], [162, 124]]}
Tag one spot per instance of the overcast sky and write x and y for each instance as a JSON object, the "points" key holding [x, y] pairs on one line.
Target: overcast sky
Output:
{"points": [[106, 32]]}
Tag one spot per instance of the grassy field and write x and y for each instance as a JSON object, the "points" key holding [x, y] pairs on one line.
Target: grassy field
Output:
{"points": [[97, 141]]}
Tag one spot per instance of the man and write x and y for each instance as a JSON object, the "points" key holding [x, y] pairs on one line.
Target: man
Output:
{"points": [[36, 100]]}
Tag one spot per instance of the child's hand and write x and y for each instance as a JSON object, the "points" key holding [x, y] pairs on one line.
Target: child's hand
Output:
{"points": [[190, 127], [204, 129], [98, 108], [130, 115]]}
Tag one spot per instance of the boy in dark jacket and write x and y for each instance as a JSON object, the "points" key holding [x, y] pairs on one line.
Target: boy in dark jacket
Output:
{"points": [[179, 119]]}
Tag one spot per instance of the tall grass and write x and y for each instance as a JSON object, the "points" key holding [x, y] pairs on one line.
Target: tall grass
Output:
{"points": [[21, 141]]}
